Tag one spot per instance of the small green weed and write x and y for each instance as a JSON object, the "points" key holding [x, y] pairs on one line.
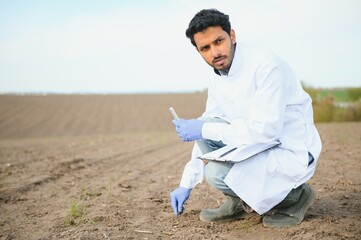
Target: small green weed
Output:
{"points": [[77, 214]]}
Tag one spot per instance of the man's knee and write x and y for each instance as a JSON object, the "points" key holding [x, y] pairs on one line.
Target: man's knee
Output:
{"points": [[210, 173], [215, 172]]}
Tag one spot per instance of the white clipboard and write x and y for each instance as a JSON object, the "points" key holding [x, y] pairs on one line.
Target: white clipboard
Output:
{"points": [[237, 154]]}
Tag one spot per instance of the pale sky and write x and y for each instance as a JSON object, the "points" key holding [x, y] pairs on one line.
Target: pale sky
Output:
{"points": [[86, 46]]}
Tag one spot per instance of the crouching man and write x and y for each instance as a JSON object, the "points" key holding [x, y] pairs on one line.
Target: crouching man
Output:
{"points": [[254, 98]]}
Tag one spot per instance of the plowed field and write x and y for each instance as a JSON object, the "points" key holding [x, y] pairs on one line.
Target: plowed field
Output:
{"points": [[102, 167]]}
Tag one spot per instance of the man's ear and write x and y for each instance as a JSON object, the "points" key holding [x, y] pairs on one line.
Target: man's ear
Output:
{"points": [[233, 36]]}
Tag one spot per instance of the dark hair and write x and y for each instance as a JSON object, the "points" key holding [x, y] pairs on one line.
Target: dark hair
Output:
{"points": [[207, 18]]}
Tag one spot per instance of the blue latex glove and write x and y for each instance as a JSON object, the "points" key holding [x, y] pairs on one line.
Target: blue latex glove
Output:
{"points": [[189, 130], [178, 198]]}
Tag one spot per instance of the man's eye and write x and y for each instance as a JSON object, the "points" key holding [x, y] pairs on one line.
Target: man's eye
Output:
{"points": [[203, 49], [219, 40]]}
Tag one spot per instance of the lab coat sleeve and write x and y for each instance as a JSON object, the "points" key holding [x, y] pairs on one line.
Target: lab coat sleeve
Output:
{"points": [[266, 112], [194, 170]]}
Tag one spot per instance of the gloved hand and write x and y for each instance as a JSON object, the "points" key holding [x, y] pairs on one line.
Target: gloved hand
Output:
{"points": [[188, 130], [178, 198]]}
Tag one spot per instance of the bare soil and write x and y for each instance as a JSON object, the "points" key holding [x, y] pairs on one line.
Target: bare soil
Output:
{"points": [[102, 167]]}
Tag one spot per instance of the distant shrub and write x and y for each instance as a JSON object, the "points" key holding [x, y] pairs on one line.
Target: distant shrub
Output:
{"points": [[357, 110], [324, 110], [327, 111], [353, 94]]}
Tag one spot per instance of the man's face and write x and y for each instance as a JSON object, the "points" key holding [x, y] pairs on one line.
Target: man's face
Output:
{"points": [[216, 47]]}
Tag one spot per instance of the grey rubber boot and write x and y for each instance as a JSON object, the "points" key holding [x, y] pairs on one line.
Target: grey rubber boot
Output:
{"points": [[230, 210], [292, 209]]}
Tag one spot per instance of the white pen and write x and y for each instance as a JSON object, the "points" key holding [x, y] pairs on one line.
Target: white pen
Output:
{"points": [[175, 116]]}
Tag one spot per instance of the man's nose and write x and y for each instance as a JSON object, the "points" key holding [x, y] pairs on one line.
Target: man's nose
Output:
{"points": [[215, 51]]}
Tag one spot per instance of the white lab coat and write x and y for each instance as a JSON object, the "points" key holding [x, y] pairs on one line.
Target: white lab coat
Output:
{"points": [[263, 101]]}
